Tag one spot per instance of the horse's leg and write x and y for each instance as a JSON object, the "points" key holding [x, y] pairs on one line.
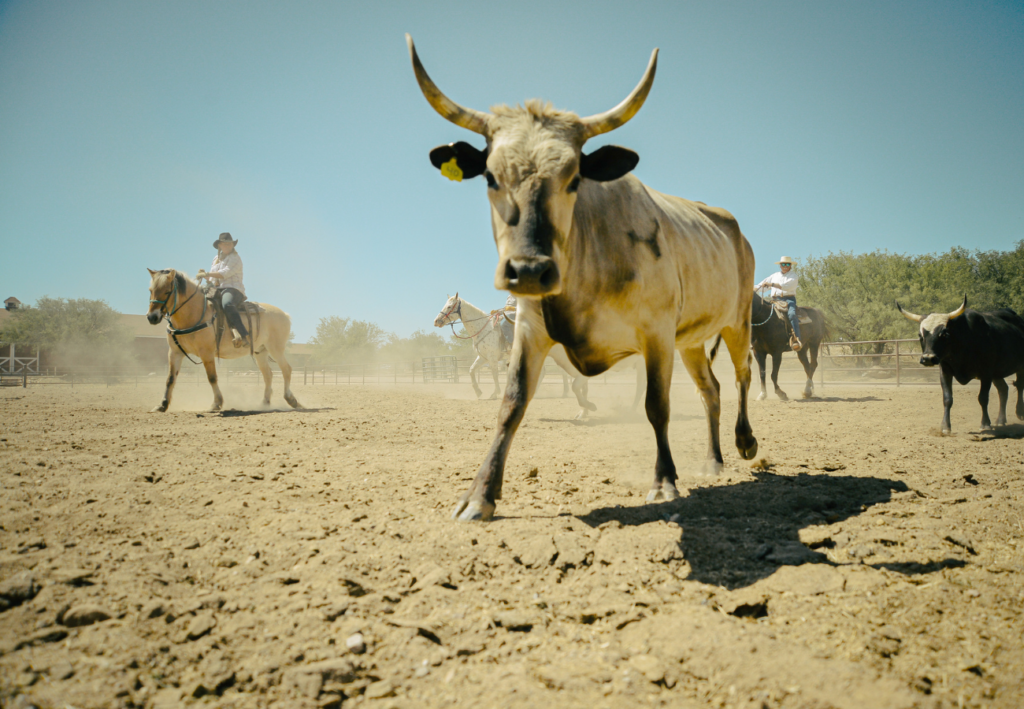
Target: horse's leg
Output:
{"points": [[210, 365], [174, 357], [580, 385], [566, 385], [808, 370], [814, 346], [1002, 390], [776, 363], [738, 341], [268, 375], [761, 356], [641, 384], [277, 352], [473, 375], [494, 373], [696, 361]]}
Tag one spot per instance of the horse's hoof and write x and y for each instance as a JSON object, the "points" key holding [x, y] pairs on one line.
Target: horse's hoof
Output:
{"points": [[591, 406], [292, 401], [473, 511], [749, 452], [654, 495], [762, 396], [669, 491], [710, 469], [158, 409], [782, 396]]}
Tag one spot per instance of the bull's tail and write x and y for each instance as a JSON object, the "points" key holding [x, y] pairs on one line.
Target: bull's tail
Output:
{"points": [[714, 350]]}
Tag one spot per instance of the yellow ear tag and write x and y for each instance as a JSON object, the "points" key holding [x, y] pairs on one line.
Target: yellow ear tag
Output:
{"points": [[452, 171]]}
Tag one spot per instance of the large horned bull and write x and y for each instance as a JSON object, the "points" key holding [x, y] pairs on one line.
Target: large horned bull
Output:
{"points": [[970, 345], [601, 264]]}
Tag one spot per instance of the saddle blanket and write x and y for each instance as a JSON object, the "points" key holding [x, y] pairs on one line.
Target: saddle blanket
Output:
{"points": [[782, 310]]}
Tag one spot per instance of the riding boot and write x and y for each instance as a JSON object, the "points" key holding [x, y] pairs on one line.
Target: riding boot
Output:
{"points": [[794, 343]]}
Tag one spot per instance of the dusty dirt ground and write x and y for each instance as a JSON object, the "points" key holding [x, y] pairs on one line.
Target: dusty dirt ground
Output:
{"points": [[226, 560]]}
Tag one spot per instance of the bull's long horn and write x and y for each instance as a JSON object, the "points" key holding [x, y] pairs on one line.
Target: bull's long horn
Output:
{"points": [[909, 315], [459, 115], [610, 120], [959, 311]]}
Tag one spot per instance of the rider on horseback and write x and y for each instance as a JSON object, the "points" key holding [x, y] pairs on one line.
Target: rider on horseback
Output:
{"points": [[783, 284], [226, 275]]}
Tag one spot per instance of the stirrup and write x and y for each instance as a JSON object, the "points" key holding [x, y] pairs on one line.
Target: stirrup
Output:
{"points": [[794, 343]]}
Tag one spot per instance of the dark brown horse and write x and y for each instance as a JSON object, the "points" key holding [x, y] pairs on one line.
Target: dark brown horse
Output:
{"points": [[770, 336]]}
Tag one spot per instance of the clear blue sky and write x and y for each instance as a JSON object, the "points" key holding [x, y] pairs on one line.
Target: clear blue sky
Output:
{"points": [[132, 133]]}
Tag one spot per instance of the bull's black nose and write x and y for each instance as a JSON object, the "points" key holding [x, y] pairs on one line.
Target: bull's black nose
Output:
{"points": [[534, 276], [929, 360]]}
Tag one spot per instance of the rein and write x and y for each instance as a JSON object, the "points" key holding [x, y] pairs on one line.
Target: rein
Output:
{"points": [[771, 312], [174, 332], [458, 311]]}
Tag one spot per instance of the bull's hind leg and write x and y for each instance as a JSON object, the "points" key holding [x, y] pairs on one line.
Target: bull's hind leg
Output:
{"points": [[1002, 390], [174, 358], [211, 376], [738, 342], [658, 360], [1019, 385], [277, 352], [696, 362], [268, 374]]}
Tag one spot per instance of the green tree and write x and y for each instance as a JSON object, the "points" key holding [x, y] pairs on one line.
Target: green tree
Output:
{"points": [[346, 341], [79, 332]]}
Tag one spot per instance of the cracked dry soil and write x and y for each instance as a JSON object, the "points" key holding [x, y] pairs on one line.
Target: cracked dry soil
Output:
{"points": [[306, 558]]}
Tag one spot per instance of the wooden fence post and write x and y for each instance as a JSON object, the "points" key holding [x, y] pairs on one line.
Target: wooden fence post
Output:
{"points": [[897, 362]]}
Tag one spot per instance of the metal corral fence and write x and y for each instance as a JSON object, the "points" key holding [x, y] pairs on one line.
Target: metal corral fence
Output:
{"points": [[875, 362], [880, 362]]}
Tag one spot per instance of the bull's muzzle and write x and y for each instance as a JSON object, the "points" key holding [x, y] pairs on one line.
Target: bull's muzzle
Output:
{"points": [[535, 275], [929, 360]]}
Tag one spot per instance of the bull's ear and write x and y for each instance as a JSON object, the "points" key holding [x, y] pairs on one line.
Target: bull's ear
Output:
{"points": [[468, 161], [609, 162]]}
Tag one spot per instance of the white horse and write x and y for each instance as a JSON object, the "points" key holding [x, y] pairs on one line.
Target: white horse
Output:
{"points": [[485, 331]]}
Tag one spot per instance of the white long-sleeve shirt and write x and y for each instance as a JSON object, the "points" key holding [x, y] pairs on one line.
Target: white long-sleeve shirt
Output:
{"points": [[782, 284], [230, 267]]}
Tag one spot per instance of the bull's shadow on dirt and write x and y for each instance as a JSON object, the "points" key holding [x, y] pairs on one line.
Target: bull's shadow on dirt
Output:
{"points": [[836, 399], [620, 417], [231, 413], [735, 535], [1011, 430]]}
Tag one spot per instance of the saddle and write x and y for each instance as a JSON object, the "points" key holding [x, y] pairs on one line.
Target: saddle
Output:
{"points": [[248, 309], [781, 308], [506, 328]]}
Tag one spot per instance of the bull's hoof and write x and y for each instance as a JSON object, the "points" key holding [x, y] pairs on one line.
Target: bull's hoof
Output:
{"points": [[762, 396], [473, 511], [749, 452]]}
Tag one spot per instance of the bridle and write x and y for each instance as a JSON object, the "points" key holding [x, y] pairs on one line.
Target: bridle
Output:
{"points": [[447, 315], [200, 323], [771, 312]]}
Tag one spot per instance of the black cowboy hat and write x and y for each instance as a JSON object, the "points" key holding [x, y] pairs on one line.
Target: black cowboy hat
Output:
{"points": [[225, 236]]}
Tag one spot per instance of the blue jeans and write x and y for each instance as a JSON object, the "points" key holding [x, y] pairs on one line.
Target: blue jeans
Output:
{"points": [[230, 299], [794, 319]]}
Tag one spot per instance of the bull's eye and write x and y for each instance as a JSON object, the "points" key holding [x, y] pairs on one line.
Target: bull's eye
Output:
{"points": [[573, 185], [492, 184]]}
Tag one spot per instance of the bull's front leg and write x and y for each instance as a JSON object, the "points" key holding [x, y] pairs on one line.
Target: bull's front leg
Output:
{"points": [[658, 361], [983, 392], [946, 380], [479, 502]]}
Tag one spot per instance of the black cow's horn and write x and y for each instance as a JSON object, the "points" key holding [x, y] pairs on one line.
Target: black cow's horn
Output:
{"points": [[459, 115], [959, 311], [908, 315], [610, 120]]}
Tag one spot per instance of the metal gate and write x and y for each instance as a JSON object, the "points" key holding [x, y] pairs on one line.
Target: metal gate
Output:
{"points": [[440, 369]]}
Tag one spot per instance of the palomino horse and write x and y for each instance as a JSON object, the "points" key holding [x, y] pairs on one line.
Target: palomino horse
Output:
{"points": [[177, 297], [769, 335], [484, 329]]}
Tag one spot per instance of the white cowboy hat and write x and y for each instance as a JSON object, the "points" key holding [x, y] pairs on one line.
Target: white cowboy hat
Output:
{"points": [[786, 260]]}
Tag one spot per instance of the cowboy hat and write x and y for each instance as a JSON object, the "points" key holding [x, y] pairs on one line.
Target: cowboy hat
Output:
{"points": [[224, 238], [784, 260]]}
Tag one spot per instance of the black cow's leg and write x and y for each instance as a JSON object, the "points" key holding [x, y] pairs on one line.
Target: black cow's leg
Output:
{"points": [[523, 376], [776, 363], [696, 362], [1002, 390], [946, 380], [761, 356], [658, 360], [986, 386]]}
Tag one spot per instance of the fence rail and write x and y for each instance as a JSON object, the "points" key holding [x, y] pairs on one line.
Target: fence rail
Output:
{"points": [[875, 362]]}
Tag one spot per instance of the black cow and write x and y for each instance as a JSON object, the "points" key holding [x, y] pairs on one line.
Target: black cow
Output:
{"points": [[970, 345], [769, 335]]}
